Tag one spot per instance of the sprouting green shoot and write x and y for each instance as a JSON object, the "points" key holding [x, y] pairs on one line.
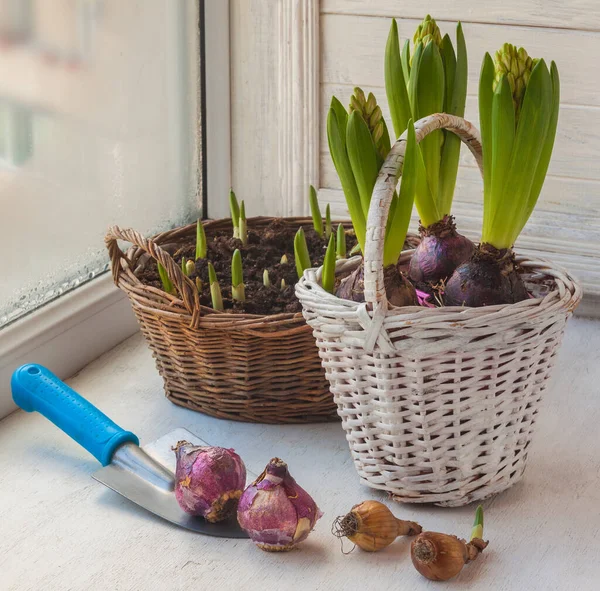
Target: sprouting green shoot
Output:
{"points": [[266, 278], [190, 267], [328, 226], [328, 277], [283, 284], [315, 211], [201, 246], [518, 111], [215, 289], [477, 531], [164, 279], [341, 242], [355, 250], [235, 213], [199, 285], [243, 225], [284, 260], [301, 253], [184, 266], [237, 277]]}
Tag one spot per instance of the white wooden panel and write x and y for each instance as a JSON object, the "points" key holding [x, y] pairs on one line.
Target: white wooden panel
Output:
{"points": [[274, 103], [254, 106], [298, 107], [218, 121], [571, 14], [353, 49], [574, 181]]}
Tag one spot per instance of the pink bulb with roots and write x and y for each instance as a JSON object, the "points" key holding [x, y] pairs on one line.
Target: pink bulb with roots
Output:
{"points": [[275, 511]]}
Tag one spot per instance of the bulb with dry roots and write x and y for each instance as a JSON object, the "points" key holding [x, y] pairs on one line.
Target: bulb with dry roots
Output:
{"points": [[372, 526], [440, 557]]}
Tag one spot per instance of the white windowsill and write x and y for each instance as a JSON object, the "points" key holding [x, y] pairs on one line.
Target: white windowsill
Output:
{"points": [[542, 532], [66, 334]]}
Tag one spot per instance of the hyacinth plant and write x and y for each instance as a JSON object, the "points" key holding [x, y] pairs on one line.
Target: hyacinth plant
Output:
{"points": [[431, 79], [359, 142], [518, 113]]}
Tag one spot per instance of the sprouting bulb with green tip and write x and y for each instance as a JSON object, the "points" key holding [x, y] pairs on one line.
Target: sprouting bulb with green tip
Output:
{"points": [[234, 208], [328, 226], [237, 279], [190, 267], [215, 289]]}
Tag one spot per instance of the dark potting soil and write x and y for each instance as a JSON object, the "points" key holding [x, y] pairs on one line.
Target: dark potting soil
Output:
{"points": [[264, 251]]}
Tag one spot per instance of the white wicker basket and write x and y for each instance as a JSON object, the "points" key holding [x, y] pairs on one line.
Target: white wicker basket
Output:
{"points": [[438, 404]]}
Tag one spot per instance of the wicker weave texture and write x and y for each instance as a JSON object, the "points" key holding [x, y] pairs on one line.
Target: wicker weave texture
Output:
{"points": [[438, 404], [240, 367]]}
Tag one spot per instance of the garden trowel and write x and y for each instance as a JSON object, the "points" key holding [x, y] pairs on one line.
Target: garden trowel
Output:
{"points": [[143, 475]]}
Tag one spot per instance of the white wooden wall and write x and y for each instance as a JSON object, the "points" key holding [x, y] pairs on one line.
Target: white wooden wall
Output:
{"points": [[290, 56]]}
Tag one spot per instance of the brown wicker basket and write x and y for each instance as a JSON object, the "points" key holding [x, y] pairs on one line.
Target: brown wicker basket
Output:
{"points": [[241, 367]]}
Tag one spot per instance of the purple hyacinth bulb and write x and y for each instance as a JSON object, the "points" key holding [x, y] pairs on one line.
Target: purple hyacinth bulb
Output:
{"points": [[275, 511], [209, 480]]}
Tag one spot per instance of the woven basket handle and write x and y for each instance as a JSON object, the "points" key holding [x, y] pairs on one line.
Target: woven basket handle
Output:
{"points": [[384, 191], [185, 287]]}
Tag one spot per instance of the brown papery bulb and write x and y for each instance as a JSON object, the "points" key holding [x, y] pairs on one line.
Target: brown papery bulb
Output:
{"points": [[440, 557], [372, 526]]}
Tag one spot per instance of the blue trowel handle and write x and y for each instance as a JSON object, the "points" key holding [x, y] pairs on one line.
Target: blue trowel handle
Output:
{"points": [[36, 388]]}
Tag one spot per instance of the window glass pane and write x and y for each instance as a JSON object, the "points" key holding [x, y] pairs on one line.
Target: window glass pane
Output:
{"points": [[98, 125]]}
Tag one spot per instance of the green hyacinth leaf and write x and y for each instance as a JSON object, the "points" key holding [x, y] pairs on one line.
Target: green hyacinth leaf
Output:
{"points": [[533, 125], [405, 58], [395, 83], [336, 136], [363, 156], [394, 242], [328, 276], [342, 117], [542, 168], [486, 95], [430, 99], [503, 137]]}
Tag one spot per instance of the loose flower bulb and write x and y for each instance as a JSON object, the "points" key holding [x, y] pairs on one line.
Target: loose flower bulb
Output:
{"points": [[440, 557], [209, 480], [275, 512], [372, 526]]}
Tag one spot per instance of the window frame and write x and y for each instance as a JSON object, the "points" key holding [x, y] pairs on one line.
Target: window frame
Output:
{"points": [[71, 331]]}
